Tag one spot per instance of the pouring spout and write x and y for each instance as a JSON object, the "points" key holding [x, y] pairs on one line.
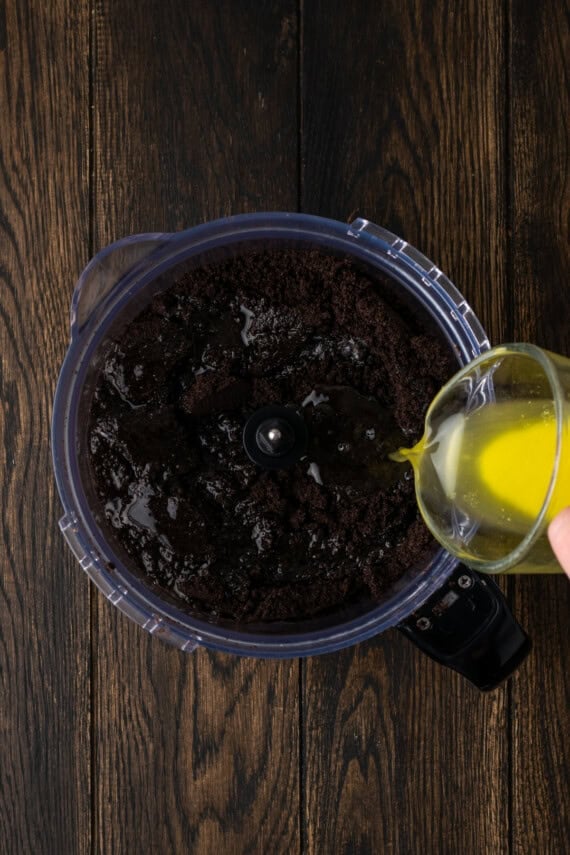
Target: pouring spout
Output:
{"points": [[406, 455], [402, 455]]}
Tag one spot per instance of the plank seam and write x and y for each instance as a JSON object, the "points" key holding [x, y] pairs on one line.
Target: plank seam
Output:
{"points": [[300, 182], [93, 604], [300, 87], [510, 310]]}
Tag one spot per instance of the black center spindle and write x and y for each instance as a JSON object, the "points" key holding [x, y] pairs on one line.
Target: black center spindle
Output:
{"points": [[275, 437]]}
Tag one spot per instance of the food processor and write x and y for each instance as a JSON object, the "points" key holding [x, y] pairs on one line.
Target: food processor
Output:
{"points": [[452, 613]]}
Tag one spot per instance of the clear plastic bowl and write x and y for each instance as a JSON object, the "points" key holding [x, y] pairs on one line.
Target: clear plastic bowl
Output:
{"points": [[118, 281]]}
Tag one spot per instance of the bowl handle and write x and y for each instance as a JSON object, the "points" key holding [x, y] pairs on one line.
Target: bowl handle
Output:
{"points": [[467, 626], [114, 264]]}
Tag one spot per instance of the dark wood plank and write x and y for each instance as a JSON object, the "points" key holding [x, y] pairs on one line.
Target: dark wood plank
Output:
{"points": [[403, 121], [195, 117], [44, 597], [540, 47]]}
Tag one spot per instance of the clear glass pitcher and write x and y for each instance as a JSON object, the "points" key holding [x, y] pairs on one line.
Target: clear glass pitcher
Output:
{"points": [[493, 467]]}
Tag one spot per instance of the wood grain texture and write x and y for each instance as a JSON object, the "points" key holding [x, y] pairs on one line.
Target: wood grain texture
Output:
{"points": [[448, 123], [402, 756], [540, 295], [195, 112], [403, 121], [195, 117], [44, 598]]}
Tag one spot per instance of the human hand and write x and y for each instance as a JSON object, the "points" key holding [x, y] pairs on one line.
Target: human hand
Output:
{"points": [[559, 537]]}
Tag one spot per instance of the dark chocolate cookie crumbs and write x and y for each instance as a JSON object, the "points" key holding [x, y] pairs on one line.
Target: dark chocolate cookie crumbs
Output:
{"points": [[178, 495]]}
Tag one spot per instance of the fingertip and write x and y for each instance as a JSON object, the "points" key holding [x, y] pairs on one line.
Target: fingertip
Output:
{"points": [[559, 537], [560, 522]]}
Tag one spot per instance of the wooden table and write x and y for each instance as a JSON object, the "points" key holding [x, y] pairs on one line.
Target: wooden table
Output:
{"points": [[448, 123]]}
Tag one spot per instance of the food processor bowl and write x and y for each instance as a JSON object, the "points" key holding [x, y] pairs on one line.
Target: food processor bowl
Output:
{"points": [[119, 281]]}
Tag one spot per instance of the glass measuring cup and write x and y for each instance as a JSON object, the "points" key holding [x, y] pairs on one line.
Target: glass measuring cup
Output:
{"points": [[493, 467]]}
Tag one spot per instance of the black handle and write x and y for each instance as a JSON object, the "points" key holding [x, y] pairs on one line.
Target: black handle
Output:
{"points": [[467, 626]]}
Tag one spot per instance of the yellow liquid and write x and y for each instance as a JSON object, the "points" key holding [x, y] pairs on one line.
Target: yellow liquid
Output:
{"points": [[495, 465]]}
